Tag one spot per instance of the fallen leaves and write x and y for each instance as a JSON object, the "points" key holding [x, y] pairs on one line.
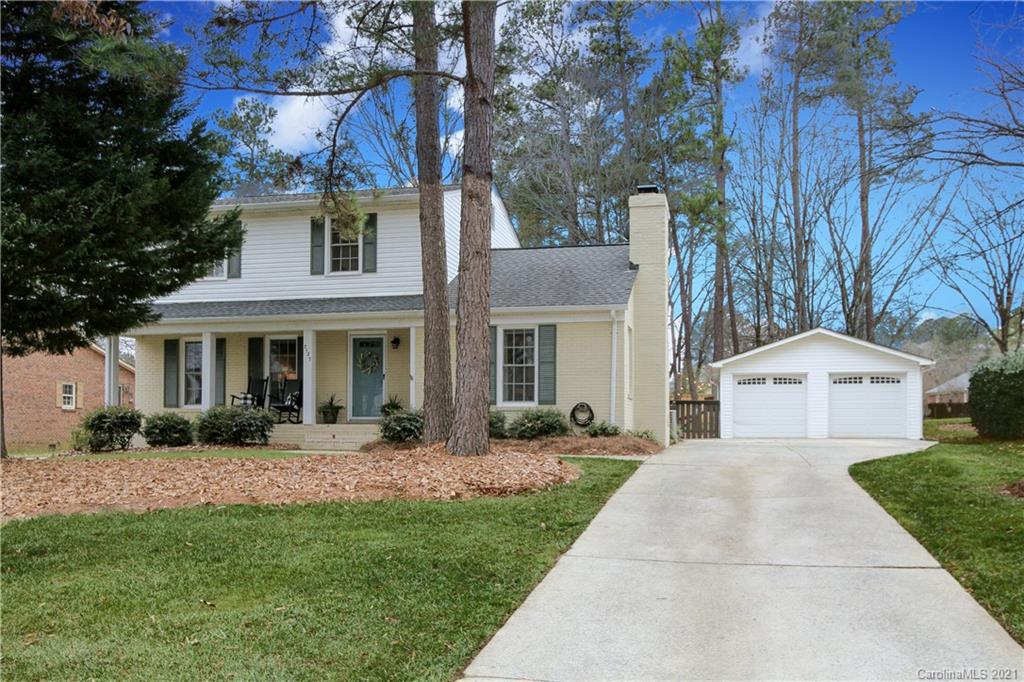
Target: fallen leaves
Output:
{"points": [[66, 486]]}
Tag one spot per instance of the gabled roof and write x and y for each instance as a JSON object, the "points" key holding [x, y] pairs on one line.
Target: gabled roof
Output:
{"points": [[314, 197], [820, 331], [958, 384], [96, 348]]}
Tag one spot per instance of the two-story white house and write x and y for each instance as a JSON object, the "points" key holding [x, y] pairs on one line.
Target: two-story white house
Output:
{"points": [[344, 318]]}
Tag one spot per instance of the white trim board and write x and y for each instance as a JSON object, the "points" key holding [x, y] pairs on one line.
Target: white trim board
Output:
{"points": [[922, 361]]}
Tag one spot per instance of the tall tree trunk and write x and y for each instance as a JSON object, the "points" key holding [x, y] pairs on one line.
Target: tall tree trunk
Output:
{"points": [[864, 269], [800, 252], [470, 433], [733, 325], [437, 377], [718, 133], [3, 430]]}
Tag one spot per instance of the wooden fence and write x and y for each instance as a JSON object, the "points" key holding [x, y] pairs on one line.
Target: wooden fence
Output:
{"points": [[696, 418], [944, 410]]}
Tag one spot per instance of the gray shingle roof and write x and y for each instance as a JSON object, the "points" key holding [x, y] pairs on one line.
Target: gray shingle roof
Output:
{"points": [[520, 278], [959, 383], [558, 276]]}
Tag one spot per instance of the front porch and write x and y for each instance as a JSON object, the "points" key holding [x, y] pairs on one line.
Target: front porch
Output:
{"points": [[361, 367]]}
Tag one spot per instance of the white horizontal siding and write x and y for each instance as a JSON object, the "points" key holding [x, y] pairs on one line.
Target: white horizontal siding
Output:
{"points": [[818, 357], [276, 253]]}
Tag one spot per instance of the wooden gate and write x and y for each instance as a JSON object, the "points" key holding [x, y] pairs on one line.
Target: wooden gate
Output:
{"points": [[696, 418]]}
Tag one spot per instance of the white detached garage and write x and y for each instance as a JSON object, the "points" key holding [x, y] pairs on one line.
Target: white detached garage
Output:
{"points": [[821, 384]]}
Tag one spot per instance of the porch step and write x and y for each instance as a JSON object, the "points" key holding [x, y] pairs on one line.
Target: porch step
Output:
{"points": [[333, 437]]}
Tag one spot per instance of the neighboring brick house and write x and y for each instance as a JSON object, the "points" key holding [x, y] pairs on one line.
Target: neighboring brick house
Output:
{"points": [[45, 396]]}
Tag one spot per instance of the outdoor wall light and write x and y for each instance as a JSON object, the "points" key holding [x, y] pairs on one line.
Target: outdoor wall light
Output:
{"points": [[395, 343]]}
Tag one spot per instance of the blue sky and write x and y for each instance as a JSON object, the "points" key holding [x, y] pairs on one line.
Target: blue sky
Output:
{"points": [[932, 48]]}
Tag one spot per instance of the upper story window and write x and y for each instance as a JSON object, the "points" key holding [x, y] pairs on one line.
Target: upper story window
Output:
{"points": [[218, 270], [345, 251]]}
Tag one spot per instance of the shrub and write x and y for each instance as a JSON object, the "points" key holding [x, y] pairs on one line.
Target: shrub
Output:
{"points": [[393, 405], [167, 429], [539, 422], [234, 426], [649, 435], [111, 428], [603, 428], [402, 426], [496, 424], [997, 397]]}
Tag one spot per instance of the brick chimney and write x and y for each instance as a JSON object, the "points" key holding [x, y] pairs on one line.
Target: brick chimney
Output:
{"points": [[648, 250]]}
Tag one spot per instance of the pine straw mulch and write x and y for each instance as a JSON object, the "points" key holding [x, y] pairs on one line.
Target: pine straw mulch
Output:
{"points": [[570, 446], [965, 428], [68, 486]]}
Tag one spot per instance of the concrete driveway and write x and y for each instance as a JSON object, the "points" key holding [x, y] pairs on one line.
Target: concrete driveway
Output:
{"points": [[749, 559]]}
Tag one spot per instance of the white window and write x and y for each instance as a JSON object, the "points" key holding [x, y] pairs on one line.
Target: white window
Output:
{"points": [[67, 396], [193, 373], [344, 252], [752, 381], [788, 381], [848, 380], [518, 370], [885, 380], [218, 270], [283, 359]]}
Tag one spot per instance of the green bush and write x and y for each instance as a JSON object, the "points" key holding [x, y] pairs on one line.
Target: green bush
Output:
{"points": [[535, 423], [399, 427], [167, 429], [602, 428], [649, 435], [111, 428], [997, 397], [496, 424], [234, 426], [393, 405]]}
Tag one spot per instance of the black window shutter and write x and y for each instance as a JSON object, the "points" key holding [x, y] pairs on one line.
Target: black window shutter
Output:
{"points": [[494, 365], [316, 245], [219, 366], [255, 357], [170, 372], [370, 243], [546, 343], [235, 265], [299, 354]]}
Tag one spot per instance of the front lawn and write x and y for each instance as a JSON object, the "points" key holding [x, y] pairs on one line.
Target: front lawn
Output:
{"points": [[371, 590], [951, 430], [950, 498]]}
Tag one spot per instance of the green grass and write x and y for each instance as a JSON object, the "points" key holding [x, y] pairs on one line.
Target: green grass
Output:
{"points": [[933, 431], [373, 590], [948, 498]]}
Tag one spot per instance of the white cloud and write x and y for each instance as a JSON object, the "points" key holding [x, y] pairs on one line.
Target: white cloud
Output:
{"points": [[751, 54]]}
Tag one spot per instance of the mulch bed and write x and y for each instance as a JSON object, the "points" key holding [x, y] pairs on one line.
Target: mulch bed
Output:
{"points": [[553, 445], [1014, 489], [966, 428], [68, 486]]}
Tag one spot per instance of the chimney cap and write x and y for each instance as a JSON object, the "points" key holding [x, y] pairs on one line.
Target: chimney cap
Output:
{"points": [[647, 189]]}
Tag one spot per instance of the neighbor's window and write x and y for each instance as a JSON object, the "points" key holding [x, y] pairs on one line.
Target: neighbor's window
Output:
{"points": [[344, 251], [518, 383], [218, 270], [67, 396], [193, 373], [284, 359]]}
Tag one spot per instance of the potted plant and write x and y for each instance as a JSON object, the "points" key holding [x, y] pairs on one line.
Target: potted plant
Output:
{"points": [[329, 410]]}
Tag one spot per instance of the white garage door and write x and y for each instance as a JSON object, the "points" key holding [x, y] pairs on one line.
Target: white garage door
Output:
{"points": [[769, 406], [867, 406]]}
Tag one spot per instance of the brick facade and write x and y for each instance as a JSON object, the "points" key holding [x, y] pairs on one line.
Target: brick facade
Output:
{"points": [[32, 412]]}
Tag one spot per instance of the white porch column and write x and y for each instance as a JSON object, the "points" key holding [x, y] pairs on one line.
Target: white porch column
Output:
{"points": [[412, 368], [112, 372], [308, 376], [206, 391]]}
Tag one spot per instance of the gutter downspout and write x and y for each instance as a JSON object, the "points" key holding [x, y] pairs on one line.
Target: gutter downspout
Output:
{"points": [[615, 356]]}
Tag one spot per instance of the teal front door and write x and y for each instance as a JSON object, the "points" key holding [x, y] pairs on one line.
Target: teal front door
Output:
{"points": [[367, 377]]}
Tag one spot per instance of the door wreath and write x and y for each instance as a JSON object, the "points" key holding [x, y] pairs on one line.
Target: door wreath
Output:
{"points": [[368, 362]]}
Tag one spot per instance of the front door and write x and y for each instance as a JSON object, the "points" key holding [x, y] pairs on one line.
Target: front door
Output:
{"points": [[367, 372]]}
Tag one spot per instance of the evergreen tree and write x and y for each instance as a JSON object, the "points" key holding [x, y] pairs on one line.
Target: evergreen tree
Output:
{"points": [[256, 166]]}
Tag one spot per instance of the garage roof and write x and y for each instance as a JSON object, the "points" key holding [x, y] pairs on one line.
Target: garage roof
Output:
{"points": [[820, 331]]}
